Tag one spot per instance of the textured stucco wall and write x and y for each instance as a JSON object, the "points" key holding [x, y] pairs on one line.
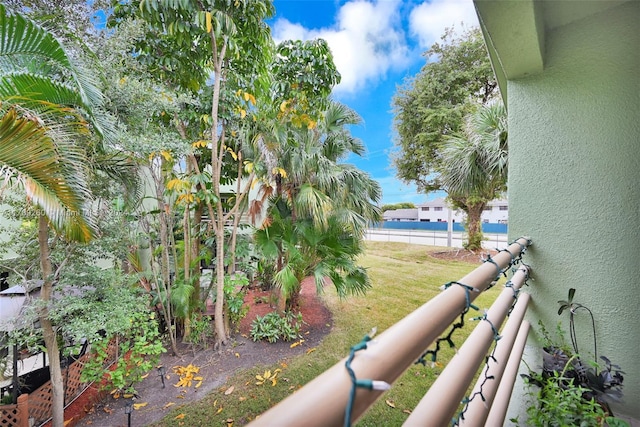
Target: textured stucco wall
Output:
{"points": [[574, 183]]}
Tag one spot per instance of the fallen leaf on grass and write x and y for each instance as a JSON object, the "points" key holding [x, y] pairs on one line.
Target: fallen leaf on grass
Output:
{"points": [[137, 406], [229, 422], [179, 417], [242, 398], [219, 410], [229, 390], [311, 350], [390, 403], [406, 411]]}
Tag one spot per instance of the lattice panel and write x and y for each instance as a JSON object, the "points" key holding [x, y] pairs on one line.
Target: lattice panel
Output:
{"points": [[40, 403], [74, 385], [9, 416]]}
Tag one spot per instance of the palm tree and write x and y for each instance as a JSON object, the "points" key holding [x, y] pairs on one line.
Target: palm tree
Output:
{"points": [[474, 165], [47, 107], [320, 208]]}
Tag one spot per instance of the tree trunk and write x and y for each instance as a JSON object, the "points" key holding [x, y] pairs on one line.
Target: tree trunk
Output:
{"points": [[164, 260], [48, 331], [474, 225]]}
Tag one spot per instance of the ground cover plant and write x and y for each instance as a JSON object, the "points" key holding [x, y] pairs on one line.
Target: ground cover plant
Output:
{"points": [[403, 278]]}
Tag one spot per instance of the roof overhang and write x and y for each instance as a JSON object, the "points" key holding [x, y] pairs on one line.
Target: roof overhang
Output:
{"points": [[515, 31]]}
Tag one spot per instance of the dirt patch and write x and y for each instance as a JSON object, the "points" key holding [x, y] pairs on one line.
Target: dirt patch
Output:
{"points": [[215, 367], [465, 255]]}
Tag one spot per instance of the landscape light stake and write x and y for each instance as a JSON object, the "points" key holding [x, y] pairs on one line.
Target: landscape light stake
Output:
{"points": [[128, 409], [161, 372]]}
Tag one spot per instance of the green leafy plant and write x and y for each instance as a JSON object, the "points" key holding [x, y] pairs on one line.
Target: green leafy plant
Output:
{"points": [[562, 404], [272, 327], [571, 391], [139, 352], [201, 331], [235, 289]]}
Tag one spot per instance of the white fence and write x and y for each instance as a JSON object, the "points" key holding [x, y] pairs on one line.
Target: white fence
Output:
{"points": [[432, 238]]}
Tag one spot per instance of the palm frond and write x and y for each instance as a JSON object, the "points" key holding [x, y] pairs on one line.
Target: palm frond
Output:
{"points": [[28, 152]]}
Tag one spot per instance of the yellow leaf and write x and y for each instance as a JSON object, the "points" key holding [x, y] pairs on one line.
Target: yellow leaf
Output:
{"points": [[180, 396], [200, 143], [67, 422], [242, 398], [229, 390], [274, 381], [295, 344], [137, 406], [144, 376], [406, 411], [198, 378], [250, 98], [207, 16], [166, 155], [229, 422], [116, 395], [127, 395], [243, 113], [168, 405], [237, 354], [233, 154], [219, 410], [311, 350], [283, 106], [390, 403], [199, 384], [259, 377], [179, 417]]}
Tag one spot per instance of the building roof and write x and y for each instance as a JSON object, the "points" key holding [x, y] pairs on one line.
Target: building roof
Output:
{"points": [[411, 214]]}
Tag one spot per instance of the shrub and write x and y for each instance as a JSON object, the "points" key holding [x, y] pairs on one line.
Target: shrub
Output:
{"points": [[272, 327]]}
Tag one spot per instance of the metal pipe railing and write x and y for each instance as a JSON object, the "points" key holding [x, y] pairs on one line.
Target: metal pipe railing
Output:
{"points": [[385, 358], [477, 410], [498, 410], [440, 403]]}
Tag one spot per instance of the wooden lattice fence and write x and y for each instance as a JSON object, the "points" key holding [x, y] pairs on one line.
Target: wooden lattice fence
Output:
{"points": [[37, 405]]}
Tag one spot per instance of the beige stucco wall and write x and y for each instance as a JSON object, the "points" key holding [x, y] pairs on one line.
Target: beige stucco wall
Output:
{"points": [[574, 183]]}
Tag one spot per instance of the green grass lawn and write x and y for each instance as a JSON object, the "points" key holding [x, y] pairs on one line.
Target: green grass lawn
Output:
{"points": [[404, 277]]}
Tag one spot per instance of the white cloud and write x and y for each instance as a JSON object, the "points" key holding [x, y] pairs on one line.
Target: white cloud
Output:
{"points": [[429, 20], [367, 41]]}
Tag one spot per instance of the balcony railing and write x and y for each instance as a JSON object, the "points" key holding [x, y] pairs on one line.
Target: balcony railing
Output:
{"points": [[344, 392]]}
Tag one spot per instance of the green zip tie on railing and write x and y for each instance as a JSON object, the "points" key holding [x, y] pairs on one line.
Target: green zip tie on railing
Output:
{"points": [[360, 383]]}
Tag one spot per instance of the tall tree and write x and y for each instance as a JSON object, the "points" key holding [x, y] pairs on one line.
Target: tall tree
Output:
{"points": [[474, 165], [188, 43], [431, 107], [48, 105], [320, 208]]}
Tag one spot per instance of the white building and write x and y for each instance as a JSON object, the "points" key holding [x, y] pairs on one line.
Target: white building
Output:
{"points": [[438, 210], [401, 215]]}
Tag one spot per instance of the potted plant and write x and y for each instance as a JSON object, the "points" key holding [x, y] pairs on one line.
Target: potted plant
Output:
{"points": [[570, 391]]}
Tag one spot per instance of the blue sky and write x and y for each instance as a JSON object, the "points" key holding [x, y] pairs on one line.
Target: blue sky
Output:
{"points": [[376, 45]]}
